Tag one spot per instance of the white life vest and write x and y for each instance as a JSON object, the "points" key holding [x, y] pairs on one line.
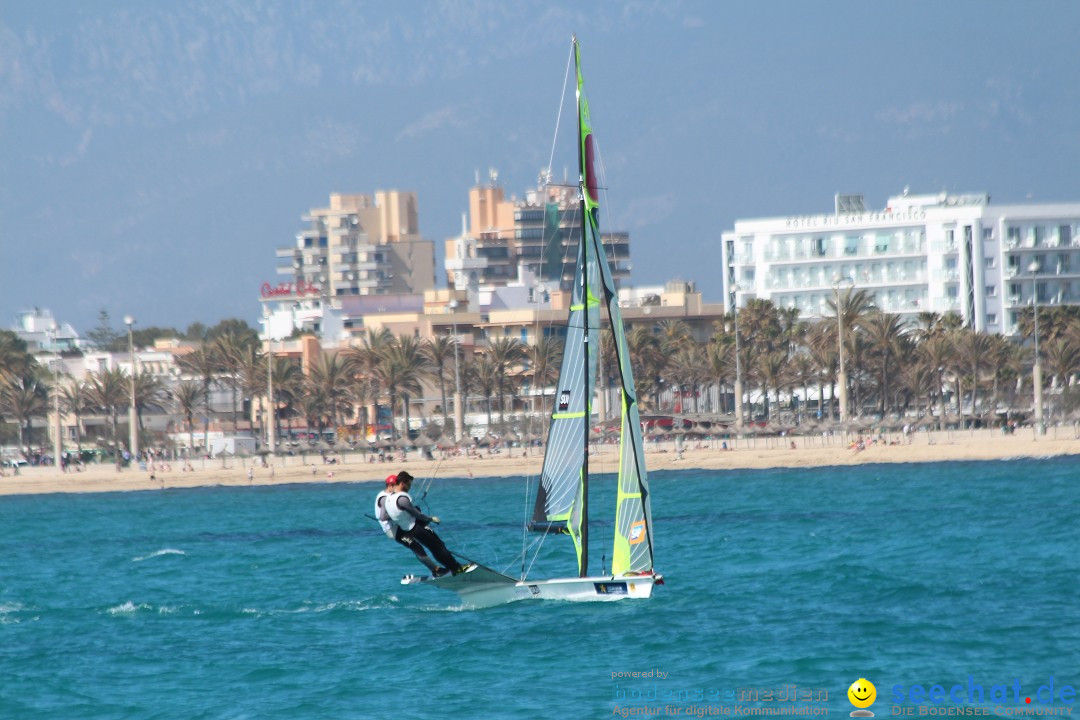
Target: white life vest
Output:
{"points": [[381, 515], [399, 517]]}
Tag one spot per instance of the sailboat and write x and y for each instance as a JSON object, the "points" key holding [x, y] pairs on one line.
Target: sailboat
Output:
{"points": [[562, 499]]}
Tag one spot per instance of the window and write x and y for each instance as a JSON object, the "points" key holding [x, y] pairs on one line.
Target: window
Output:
{"points": [[1013, 233], [988, 233], [988, 262], [991, 318], [991, 291], [952, 292]]}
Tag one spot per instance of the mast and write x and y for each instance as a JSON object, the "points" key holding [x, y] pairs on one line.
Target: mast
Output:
{"points": [[584, 564]]}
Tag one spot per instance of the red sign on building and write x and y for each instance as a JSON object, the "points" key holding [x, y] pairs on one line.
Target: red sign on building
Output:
{"points": [[286, 289]]}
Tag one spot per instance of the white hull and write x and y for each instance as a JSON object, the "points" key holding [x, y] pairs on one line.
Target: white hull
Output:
{"points": [[484, 587], [587, 589]]}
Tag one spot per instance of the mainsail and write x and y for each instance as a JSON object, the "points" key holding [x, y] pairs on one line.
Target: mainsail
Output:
{"points": [[562, 498]]}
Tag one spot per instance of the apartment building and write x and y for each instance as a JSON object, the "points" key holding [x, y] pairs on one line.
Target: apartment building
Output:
{"points": [[358, 245], [537, 234], [941, 253]]}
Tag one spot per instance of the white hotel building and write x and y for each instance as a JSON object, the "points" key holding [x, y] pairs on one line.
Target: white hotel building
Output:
{"points": [[942, 253]]}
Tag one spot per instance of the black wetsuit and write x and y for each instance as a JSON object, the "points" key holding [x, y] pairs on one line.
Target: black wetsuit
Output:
{"points": [[423, 534]]}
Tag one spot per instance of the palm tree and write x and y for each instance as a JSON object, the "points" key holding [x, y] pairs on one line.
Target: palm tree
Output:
{"points": [[75, 400], [440, 352], [936, 353], [201, 363], [686, 368], [189, 398], [24, 397], [674, 335], [228, 351], [772, 369], [252, 373], [288, 389], [108, 391], [545, 359], [399, 370], [486, 378], [791, 329], [851, 306], [1000, 363], [149, 392], [15, 359], [885, 337], [975, 350], [314, 405], [647, 360], [822, 349], [1063, 361], [804, 371], [719, 364], [505, 354], [365, 361], [331, 377]]}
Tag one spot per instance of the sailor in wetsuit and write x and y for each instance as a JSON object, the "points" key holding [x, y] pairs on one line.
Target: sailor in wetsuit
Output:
{"points": [[395, 533], [413, 524]]}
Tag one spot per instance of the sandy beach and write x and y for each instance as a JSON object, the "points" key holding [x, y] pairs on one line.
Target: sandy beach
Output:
{"points": [[759, 453]]}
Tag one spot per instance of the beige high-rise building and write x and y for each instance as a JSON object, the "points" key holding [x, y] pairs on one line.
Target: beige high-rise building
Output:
{"points": [[538, 234], [357, 245], [360, 245]]}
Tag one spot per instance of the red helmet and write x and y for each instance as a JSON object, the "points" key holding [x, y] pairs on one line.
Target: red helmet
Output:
{"points": [[391, 480]]}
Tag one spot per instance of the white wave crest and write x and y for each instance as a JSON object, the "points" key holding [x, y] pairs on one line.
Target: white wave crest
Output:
{"points": [[128, 608], [159, 553]]}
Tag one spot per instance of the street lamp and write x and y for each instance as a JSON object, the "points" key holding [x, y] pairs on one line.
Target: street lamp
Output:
{"points": [[1036, 369], [842, 379], [738, 360], [459, 412], [58, 440], [133, 418], [271, 441]]}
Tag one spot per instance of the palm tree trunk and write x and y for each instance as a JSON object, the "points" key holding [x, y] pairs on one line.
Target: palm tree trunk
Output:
{"points": [[442, 389], [974, 389]]}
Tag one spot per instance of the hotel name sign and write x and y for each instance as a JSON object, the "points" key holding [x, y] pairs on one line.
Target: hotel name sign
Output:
{"points": [[811, 222], [288, 289]]}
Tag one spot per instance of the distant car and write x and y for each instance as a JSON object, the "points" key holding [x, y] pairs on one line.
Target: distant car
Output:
{"points": [[15, 462]]}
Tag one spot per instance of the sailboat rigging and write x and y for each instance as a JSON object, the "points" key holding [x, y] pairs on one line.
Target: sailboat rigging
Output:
{"points": [[562, 499]]}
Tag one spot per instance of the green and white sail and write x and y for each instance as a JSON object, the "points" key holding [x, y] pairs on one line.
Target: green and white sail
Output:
{"points": [[562, 499]]}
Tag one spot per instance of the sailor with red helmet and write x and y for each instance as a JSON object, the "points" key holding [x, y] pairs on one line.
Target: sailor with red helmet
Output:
{"points": [[395, 533]]}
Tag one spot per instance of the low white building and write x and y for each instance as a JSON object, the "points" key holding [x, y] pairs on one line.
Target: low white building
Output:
{"points": [[941, 253]]}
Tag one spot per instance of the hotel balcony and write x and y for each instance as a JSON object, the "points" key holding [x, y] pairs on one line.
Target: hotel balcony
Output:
{"points": [[804, 282], [890, 250]]}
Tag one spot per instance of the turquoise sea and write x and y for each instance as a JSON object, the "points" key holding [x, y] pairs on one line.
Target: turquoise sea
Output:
{"points": [[285, 602]]}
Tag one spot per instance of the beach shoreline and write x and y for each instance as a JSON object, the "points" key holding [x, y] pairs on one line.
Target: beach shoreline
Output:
{"points": [[747, 454]]}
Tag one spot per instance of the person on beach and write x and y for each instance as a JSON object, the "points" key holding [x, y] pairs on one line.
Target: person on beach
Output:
{"points": [[395, 533], [414, 524]]}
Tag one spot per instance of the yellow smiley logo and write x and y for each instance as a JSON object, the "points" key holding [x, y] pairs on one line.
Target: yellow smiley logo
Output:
{"points": [[862, 693]]}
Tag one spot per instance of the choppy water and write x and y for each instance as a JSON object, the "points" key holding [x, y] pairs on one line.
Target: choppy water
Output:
{"points": [[285, 603]]}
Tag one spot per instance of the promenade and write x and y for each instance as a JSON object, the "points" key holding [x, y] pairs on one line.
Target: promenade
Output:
{"points": [[745, 453]]}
